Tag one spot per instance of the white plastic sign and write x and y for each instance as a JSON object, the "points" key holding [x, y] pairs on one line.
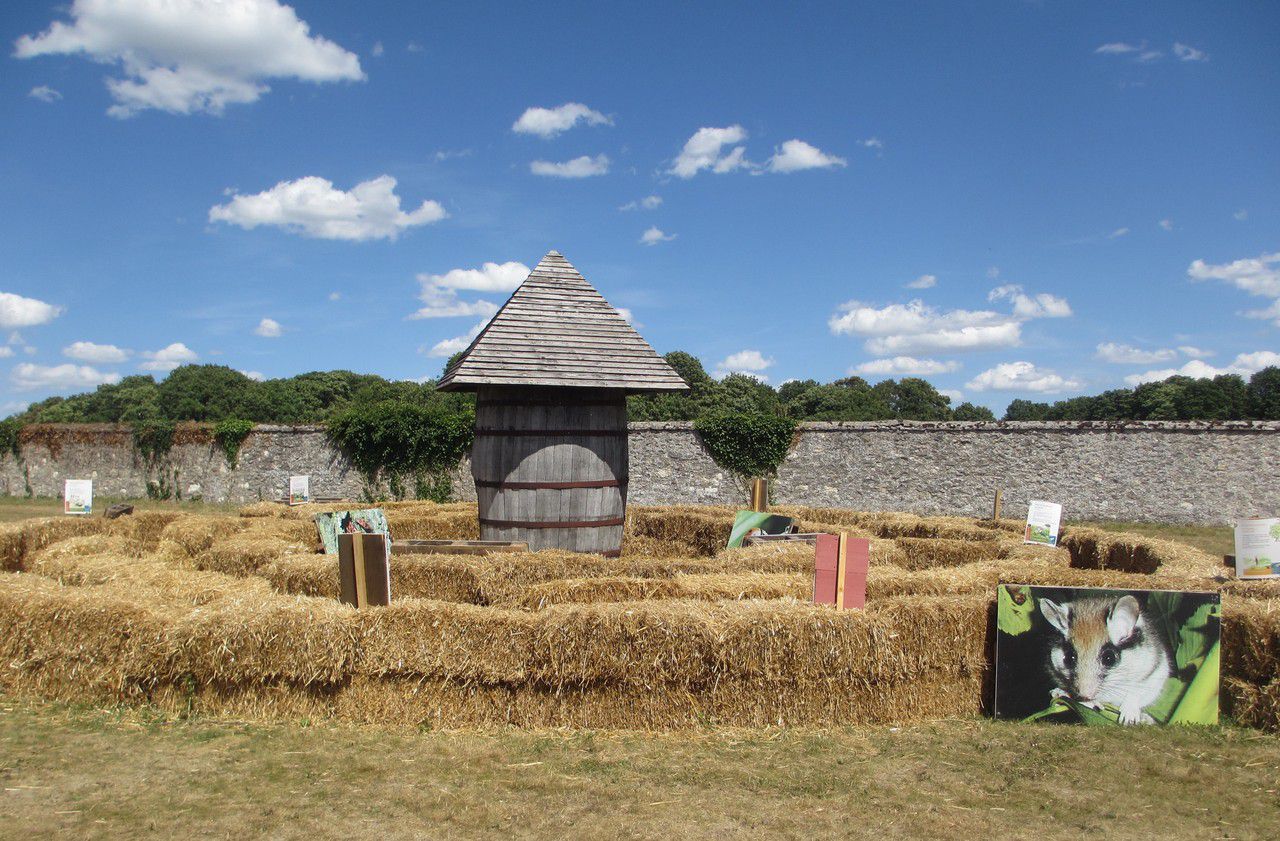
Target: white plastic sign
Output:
{"points": [[1043, 521], [77, 496], [299, 489], [1258, 547]]}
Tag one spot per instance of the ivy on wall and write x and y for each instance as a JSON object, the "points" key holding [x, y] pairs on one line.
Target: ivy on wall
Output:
{"points": [[748, 443], [10, 430], [153, 439], [403, 443], [230, 435]]}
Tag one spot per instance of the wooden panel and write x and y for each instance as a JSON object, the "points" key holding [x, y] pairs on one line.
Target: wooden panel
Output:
{"points": [[542, 476]]}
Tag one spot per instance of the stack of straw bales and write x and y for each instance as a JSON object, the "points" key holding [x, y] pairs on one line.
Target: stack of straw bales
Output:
{"points": [[239, 616]]}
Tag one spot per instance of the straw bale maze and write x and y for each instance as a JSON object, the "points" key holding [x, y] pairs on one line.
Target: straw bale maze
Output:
{"points": [[238, 615]]}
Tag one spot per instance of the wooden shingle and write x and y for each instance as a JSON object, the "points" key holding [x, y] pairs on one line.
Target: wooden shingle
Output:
{"points": [[557, 330]]}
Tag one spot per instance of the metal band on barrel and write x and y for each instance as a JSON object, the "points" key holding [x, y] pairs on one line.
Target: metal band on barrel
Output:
{"points": [[554, 524], [549, 486]]}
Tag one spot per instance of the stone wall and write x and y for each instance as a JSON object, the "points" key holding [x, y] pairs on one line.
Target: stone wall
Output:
{"points": [[1160, 471]]}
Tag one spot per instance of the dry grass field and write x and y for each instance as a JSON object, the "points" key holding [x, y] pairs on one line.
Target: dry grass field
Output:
{"points": [[191, 670]]}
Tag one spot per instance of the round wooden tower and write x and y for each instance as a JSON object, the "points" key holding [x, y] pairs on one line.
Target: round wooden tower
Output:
{"points": [[552, 370]]}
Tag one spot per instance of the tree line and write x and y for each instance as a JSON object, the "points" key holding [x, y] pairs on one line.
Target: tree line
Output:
{"points": [[212, 393]]}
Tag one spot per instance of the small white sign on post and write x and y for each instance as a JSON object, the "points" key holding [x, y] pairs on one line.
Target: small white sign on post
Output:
{"points": [[1043, 522], [77, 496], [299, 489], [1258, 547]]}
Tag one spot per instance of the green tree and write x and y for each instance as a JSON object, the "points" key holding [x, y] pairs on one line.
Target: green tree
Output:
{"points": [[202, 392], [1264, 394], [1025, 410], [969, 412]]}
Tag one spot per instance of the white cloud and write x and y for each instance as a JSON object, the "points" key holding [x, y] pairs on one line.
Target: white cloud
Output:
{"points": [[1245, 365], [924, 281], [1021, 376], [268, 328], [905, 366], [439, 292], [549, 122], [414, 47], [653, 236], [900, 329], [1240, 215], [1167, 224], [796, 155], [91, 352], [955, 394], [335, 296], [1255, 275], [993, 272], [1119, 354], [705, 150], [872, 143], [1117, 48], [257, 376], [1185, 52], [377, 50], [5, 351], [646, 203], [449, 347], [580, 167], [27, 376], [313, 207], [191, 56], [1195, 352], [1117, 233], [626, 314], [1040, 305], [168, 358], [44, 93], [1271, 313], [1149, 56], [743, 362], [449, 154], [17, 311]]}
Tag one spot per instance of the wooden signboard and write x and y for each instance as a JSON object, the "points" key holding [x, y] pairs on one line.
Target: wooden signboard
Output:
{"points": [[458, 547], [840, 571], [364, 569]]}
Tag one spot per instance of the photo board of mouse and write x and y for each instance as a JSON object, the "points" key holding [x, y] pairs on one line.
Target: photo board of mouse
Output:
{"points": [[1107, 657]]}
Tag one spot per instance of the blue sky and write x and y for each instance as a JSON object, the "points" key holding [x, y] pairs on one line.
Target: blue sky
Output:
{"points": [[1011, 199]]}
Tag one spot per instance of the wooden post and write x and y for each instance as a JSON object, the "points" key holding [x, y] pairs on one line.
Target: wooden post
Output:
{"points": [[759, 494], [995, 509]]}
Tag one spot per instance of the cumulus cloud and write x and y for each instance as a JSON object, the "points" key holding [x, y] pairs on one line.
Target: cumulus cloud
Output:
{"points": [[17, 311], [751, 362], [1256, 275], [872, 143], [27, 376], [168, 357], [192, 56], [91, 352], [1240, 215], [313, 207], [580, 167], [257, 376], [1245, 365], [1271, 313], [1119, 354], [646, 203], [654, 235], [796, 155], [449, 347], [1167, 224], [44, 93], [906, 366], [706, 150], [377, 49], [5, 352], [1195, 352], [1040, 305], [915, 327], [1186, 52], [1117, 233], [439, 292], [549, 122], [1021, 376], [924, 281], [268, 328]]}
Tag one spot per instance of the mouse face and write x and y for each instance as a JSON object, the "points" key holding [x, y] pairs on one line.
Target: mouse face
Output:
{"points": [[1105, 653]]}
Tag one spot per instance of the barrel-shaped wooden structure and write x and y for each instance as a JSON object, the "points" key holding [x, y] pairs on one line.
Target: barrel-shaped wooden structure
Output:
{"points": [[550, 467], [552, 370]]}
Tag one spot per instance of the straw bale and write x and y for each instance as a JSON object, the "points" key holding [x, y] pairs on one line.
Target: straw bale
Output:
{"points": [[435, 525], [926, 553], [634, 545], [1264, 588], [19, 540], [242, 554], [190, 535], [143, 528], [705, 587], [76, 643], [1092, 548], [706, 530], [1252, 704], [263, 637], [1251, 639], [307, 575]]}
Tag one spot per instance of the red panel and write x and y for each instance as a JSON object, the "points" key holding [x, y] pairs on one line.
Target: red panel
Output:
{"points": [[826, 558]]}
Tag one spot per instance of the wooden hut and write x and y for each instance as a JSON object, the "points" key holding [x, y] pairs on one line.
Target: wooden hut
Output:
{"points": [[552, 370]]}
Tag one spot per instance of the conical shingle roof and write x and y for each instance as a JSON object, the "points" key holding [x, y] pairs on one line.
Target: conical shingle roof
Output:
{"points": [[557, 330]]}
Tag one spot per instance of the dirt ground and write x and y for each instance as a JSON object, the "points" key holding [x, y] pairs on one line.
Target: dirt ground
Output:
{"points": [[85, 773]]}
